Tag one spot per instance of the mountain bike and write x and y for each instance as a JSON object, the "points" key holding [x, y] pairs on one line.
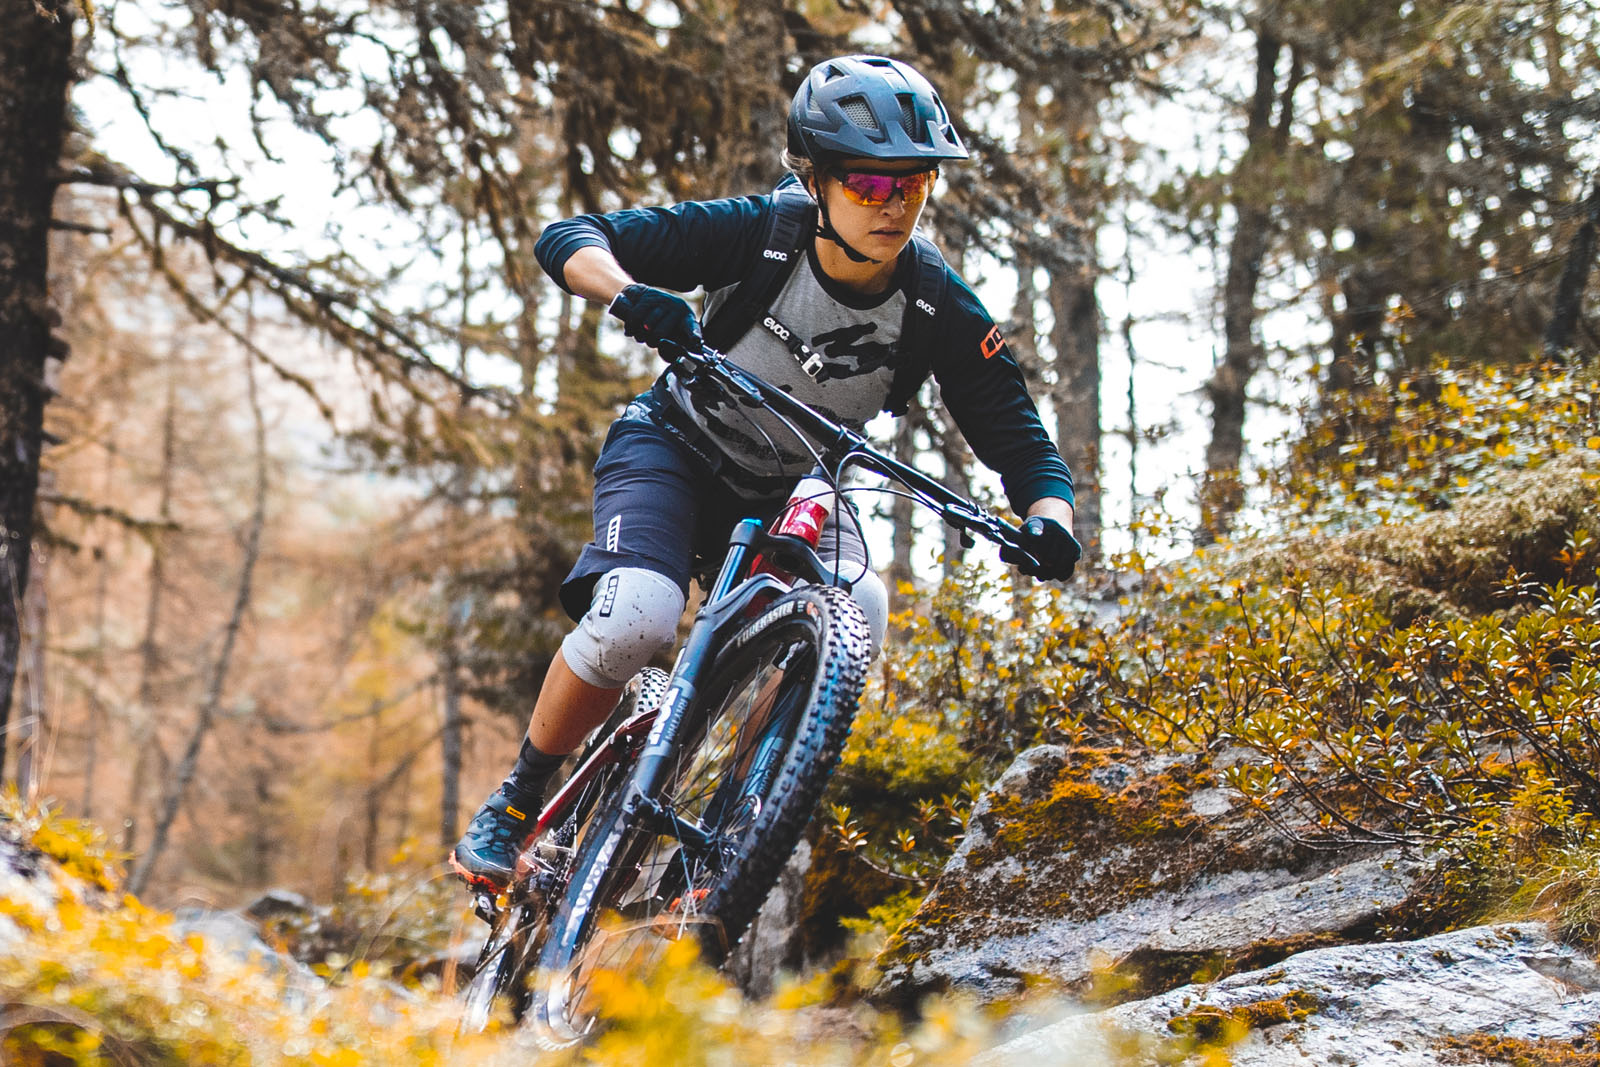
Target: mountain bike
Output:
{"points": [[684, 809]]}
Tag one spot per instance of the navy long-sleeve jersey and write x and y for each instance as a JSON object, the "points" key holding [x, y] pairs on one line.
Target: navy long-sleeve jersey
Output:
{"points": [[711, 244]]}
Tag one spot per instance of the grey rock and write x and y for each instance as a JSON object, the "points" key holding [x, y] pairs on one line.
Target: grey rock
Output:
{"points": [[25, 880], [769, 947], [231, 933], [277, 904], [1376, 1005], [1223, 884]]}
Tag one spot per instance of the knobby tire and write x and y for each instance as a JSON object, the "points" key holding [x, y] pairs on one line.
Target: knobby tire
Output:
{"points": [[759, 743]]}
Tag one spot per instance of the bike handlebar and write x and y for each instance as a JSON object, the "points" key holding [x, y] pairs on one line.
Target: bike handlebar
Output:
{"points": [[840, 441]]}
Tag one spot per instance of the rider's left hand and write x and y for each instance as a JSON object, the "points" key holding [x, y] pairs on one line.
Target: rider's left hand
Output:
{"points": [[1053, 547]]}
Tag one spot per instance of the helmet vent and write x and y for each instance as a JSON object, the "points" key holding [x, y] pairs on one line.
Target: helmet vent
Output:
{"points": [[859, 112], [908, 116]]}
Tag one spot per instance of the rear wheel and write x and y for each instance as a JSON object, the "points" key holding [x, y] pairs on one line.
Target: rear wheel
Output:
{"points": [[499, 980], [757, 746]]}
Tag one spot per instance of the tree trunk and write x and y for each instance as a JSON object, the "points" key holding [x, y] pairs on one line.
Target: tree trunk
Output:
{"points": [[372, 809], [35, 72], [1558, 336], [903, 510], [1222, 492], [1076, 395], [450, 738], [30, 727], [97, 707], [1360, 330], [143, 732], [958, 476]]}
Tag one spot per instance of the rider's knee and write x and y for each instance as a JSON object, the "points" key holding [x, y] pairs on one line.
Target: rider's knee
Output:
{"points": [[633, 616], [871, 594]]}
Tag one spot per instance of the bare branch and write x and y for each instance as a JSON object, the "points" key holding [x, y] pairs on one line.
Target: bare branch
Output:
{"points": [[79, 227], [104, 173], [145, 528]]}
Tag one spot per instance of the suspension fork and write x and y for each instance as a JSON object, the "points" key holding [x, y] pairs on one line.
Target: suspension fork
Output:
{"points": [[730, 595]]}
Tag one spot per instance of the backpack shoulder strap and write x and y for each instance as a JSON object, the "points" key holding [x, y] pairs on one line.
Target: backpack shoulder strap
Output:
{"points": [[926, 296], [793, 215]]}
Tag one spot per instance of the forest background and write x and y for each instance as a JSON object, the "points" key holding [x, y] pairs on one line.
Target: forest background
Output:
{"points": [[295, 438]]}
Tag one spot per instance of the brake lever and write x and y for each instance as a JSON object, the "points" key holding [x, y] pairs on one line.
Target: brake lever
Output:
{"points": [[709, 364]]}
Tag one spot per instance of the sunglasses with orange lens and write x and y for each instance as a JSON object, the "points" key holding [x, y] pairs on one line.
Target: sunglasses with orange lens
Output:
{"points": [[875, 188]]}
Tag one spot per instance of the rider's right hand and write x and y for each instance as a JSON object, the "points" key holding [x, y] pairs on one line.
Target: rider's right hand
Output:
{"points": [[660, 319], [1054, 550]]}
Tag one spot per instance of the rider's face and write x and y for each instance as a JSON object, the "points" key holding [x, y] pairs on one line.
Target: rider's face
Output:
{"points": [[876, 230]]}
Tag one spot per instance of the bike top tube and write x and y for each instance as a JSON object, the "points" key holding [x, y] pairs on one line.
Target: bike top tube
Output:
{"points": [[839, 442]]}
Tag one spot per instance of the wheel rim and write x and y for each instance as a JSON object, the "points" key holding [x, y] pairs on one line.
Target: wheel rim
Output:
{"points": [[499, 967]]}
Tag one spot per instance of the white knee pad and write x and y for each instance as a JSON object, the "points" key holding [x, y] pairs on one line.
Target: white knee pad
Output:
{"points": [[870, 593], [633, 615], [873, 596]]}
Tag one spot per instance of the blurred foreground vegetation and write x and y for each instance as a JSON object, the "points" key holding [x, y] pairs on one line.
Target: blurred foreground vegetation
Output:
{"points": [[1406, 651]]}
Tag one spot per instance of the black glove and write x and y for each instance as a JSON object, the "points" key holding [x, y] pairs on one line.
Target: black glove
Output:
{"points": [[660, 319], [1051, 544]]}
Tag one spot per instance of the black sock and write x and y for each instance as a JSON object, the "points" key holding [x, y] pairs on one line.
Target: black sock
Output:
{"points": [[528, 778]]}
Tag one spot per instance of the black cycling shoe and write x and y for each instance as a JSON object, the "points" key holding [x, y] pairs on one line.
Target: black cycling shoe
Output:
{"points": [[486, 856]]}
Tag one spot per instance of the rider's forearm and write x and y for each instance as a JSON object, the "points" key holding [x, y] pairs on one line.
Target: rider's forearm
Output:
{"points": [[1052, 507], [594, 274]]}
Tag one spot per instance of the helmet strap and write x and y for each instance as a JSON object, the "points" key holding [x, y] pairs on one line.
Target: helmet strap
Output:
{"points": [[826, 231]]}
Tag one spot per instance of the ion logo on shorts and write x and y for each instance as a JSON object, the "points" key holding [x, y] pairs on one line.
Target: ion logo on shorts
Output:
{"points": [[613, 533]]}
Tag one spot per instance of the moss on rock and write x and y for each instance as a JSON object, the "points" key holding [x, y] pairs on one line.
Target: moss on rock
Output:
{"points": [[1581, 1051], [1215, 1025]]}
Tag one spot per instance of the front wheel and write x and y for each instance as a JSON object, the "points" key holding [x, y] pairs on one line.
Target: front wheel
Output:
{"points": [[756, 748]]}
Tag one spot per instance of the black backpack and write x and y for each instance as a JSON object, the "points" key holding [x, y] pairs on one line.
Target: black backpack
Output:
{"points": [[793, 221]]}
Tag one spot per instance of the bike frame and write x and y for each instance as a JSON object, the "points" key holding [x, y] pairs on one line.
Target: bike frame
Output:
{"points": [[650, 736]]}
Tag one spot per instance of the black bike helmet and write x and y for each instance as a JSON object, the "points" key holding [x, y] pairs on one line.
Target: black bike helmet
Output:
{"points": [[870, 107]]}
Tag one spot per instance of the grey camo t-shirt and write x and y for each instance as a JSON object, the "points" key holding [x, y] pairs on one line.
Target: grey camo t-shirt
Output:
{"points": [[855, 334]]}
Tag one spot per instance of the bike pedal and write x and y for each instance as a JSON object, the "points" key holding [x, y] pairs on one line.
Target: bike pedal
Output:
{"points": [[475, 882]]}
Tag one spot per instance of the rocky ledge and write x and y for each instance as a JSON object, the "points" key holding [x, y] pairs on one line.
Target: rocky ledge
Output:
{"points": [[1492, 994], [1090, 868]]}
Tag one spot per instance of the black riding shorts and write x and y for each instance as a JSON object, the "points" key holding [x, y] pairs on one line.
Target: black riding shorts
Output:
{"points": [[659, 505]]}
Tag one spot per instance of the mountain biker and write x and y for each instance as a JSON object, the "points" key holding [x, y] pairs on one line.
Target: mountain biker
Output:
{"points": [[866, 138]]}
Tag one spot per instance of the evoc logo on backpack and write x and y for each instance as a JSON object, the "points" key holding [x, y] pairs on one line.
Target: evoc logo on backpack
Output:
{"points": [[777, 328], [773, 253], [923, 305]]}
